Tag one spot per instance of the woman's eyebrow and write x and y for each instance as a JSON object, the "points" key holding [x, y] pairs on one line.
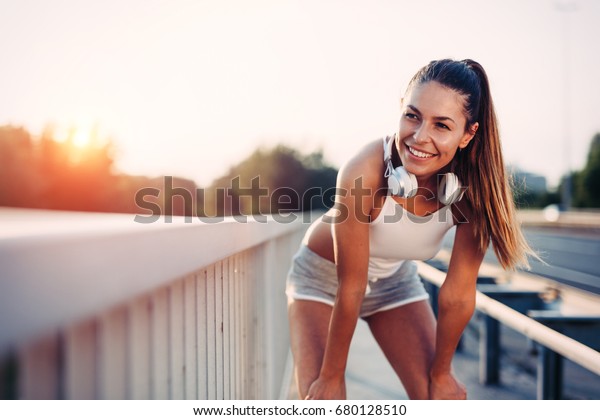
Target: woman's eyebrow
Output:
{"points": [[440, 118]]}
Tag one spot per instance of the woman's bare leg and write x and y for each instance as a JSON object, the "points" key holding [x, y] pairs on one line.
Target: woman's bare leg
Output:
{"points": [[407, 337], [309, 325]]}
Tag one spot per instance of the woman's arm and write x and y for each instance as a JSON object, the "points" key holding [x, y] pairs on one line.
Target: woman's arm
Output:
{"points": [[456, 304], [350, 231]]}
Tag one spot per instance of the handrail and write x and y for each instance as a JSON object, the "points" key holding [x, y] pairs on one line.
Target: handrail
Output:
{"points": [[567, 347], [98, 306], [57, 267]]}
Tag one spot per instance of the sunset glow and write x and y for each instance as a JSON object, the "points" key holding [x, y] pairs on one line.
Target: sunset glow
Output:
{"points": [[191, 88], [82, 137]]}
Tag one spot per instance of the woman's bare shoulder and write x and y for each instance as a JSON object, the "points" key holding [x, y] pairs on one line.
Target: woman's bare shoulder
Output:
{"points": [[366, 164]]}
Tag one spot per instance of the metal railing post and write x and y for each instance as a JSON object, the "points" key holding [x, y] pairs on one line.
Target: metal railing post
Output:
{"points": [[574, 338], [489, 351], [550, 374]]}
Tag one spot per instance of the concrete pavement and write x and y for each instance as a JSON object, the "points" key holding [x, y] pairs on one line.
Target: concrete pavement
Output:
{"points": [[370, 377]]}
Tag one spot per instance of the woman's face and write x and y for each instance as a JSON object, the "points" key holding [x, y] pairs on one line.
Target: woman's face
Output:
{"points": [[432, 128]]}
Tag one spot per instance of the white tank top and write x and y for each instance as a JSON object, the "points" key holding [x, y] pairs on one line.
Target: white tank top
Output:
{"points": [[397, 235]]}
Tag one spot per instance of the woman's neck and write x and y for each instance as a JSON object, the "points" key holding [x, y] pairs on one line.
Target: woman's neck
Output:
{"points": [[427, 185]]}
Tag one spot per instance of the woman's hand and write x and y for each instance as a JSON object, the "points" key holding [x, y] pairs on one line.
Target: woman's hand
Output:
{"points": [[446, 387], [323, 389]]}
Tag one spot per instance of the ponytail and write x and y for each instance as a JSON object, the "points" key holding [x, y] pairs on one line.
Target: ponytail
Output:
{"points": [[490, 191]]}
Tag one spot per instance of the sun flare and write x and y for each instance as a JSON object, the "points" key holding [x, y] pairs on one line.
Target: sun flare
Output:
{"points": [[82, 137], [79, 135]]}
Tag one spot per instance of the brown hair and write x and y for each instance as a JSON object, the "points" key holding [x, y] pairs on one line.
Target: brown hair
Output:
{"points": [[480, 166]]}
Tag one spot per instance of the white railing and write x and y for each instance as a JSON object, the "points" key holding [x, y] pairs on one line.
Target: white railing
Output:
{"points": [[563, 345], [96, 306]]}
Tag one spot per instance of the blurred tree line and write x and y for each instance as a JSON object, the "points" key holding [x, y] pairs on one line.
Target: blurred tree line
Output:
{"points": [[586, 182], [585, 185], [44, 173], [272, 181], [48, 174]]}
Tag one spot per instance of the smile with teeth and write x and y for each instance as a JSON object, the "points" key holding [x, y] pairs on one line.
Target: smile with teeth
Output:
{"points": [[420, 154]]}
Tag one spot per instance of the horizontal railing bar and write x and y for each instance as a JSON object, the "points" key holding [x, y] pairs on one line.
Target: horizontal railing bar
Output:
{"points": [[56, 277], [567, 347]]}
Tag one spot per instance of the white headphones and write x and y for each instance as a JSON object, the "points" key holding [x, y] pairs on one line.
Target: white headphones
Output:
{"points": [[404, 184]]}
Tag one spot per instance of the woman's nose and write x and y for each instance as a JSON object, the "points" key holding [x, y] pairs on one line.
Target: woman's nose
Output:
{"points": [[422, 134]]}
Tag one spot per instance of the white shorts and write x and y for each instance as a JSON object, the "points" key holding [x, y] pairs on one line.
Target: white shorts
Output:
{"points": [[314, 278]]}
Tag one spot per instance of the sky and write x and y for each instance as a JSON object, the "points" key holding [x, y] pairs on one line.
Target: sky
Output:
{"points": [[190, 88]]}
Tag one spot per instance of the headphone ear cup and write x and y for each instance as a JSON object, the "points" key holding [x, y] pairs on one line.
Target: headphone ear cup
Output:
{"points": [[411, 184], [450, 189], [394, 183], [402, 183]]}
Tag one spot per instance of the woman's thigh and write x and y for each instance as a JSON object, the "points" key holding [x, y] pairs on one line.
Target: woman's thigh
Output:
{"points": [[406, 335], [309, 325]]}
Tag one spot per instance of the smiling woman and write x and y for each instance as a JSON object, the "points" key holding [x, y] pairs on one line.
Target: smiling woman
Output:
{"points": [[392, 207]]}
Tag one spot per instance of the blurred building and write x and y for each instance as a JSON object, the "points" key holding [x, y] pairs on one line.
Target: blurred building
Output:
{"points": [[527, 181]]}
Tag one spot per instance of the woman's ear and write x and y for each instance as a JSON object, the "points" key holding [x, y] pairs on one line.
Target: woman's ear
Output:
{"points": [[470, 133], [473, 128]]}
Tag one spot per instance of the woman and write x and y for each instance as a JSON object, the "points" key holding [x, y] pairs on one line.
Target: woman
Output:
{"points": [[396, 200]]}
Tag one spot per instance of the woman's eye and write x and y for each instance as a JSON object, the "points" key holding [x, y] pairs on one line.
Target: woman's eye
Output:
{"points": [[444, 126], [411, 116]]}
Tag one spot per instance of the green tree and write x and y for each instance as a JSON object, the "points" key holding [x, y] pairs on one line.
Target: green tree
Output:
{"points": [[20, 181], [586, 183], [44, 173], [271, 181]]}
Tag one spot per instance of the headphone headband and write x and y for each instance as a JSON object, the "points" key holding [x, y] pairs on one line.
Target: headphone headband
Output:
{"points": [[387, 148]]}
